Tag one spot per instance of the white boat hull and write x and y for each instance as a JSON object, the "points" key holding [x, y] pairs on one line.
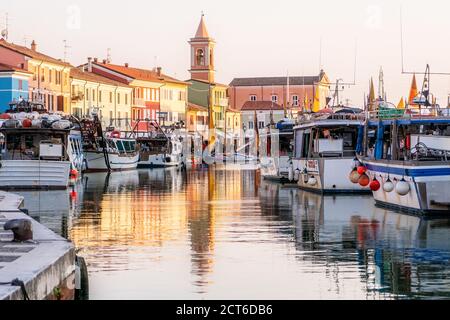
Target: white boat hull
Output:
{"points": [[34, 174], [161, 161], [330, 174], [275, 168], [429, 186], [95, 161]]}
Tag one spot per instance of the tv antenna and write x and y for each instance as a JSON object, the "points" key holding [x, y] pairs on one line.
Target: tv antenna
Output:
{"points": [[427, 71], [65, 50], [108, 55], [5, 32]]}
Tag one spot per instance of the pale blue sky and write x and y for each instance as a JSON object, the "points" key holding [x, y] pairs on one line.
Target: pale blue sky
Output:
{"points": [[254, 37]]}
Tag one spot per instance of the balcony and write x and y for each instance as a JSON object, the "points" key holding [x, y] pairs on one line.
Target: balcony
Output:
{"points": [[220, 124], [139, 102], [78, 96], [222, 102]]}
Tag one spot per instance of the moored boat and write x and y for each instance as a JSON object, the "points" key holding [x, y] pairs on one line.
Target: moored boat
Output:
{"points": [[407, 155], [326, 144], [34, 148], [276, 161], [110, 151]]}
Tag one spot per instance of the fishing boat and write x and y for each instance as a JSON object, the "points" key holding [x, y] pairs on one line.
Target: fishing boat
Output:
{"points": [[276, 161], [326, 144], [34, 148], [110, 151], [158, 149], [407, 157]]}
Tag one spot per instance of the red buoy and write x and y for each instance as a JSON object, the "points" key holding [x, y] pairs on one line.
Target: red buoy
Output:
{"points": [[375, 185], [74, 173], [364, 180], [26, 123], [362, 170]]}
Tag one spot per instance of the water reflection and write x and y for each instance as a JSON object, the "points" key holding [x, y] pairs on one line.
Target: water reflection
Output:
{"points": [[224, 234]]}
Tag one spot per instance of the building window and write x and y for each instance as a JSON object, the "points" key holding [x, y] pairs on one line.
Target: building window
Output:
{"points": [[110, 97], [43, 75], [87, 94], [126, 98], [295, 101], [35, 72], [274, 98], [20, 85], [100, 96], [50, 71], [110, 118], [253, 97], [93, 94], [200, 57], [118, 98], [250, 125], [261, 124]]}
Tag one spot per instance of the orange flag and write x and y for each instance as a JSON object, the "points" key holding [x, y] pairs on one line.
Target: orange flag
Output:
{"points": [[413, 91]]}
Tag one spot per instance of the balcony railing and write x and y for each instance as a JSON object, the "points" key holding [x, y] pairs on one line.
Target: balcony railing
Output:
{"points": [[222, 102], [138, 102]]}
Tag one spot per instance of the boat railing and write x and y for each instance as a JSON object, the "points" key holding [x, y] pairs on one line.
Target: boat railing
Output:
{"points": [[422, 152], [329, 116], [421, 112]]}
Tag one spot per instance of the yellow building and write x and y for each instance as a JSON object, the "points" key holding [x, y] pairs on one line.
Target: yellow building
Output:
{"points": [[174, 94], [92, 92]]}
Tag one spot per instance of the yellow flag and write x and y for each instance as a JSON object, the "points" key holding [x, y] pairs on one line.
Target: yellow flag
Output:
{"points": [[306, 103], [316, 104], [401, 104]]}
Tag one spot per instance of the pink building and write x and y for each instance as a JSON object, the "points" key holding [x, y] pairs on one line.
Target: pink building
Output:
{"points": [[293, 93]]}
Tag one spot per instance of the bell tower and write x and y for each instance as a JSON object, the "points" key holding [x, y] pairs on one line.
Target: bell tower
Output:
{"points": [[202, 54]]}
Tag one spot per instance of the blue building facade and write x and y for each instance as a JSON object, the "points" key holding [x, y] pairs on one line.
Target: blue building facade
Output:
{"points": [[13, 86]]}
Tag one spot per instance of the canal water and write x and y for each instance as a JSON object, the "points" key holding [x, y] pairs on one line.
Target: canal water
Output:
{"points": [[227, 234]]}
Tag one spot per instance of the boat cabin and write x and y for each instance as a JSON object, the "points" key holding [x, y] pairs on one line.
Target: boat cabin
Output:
{"points": [[328, 139], [409, 139], [34, 144]]}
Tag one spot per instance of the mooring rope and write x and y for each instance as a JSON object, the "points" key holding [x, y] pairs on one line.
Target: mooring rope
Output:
{"points": [[18, 283]]}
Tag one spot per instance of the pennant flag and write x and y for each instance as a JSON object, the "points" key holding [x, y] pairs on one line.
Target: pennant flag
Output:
{"points": [[413, 91], [306, 103], [401, 104], [316, 104], [372, 96]]}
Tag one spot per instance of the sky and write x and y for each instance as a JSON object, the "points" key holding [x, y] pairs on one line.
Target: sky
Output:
{"points": [[254, 37]]}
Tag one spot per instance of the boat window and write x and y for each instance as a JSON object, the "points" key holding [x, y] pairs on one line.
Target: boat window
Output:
{"points": [[305, 147], [286, 145], [120, 146], [298, 143]]}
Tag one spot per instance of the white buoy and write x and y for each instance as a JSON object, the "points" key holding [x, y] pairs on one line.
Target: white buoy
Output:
{"points": [[297, 175], [388, 186], [312, 181], [291, 173], [402, 187]]}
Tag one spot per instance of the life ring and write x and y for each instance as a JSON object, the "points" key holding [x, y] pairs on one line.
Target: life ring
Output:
{"points": [[115, 134]]}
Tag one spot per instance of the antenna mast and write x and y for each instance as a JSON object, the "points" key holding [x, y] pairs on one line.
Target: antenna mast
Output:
{"points": [[65, 50], [5, 32], [108, 55]]}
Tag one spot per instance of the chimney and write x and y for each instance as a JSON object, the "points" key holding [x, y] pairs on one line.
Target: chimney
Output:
{"points": [[126, 64], [33, 46], [158, 71], [104, 61], [89, 65], [95, 60]]}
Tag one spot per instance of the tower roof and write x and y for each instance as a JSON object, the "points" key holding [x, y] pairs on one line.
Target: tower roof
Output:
{"points": [[202, 32]]}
